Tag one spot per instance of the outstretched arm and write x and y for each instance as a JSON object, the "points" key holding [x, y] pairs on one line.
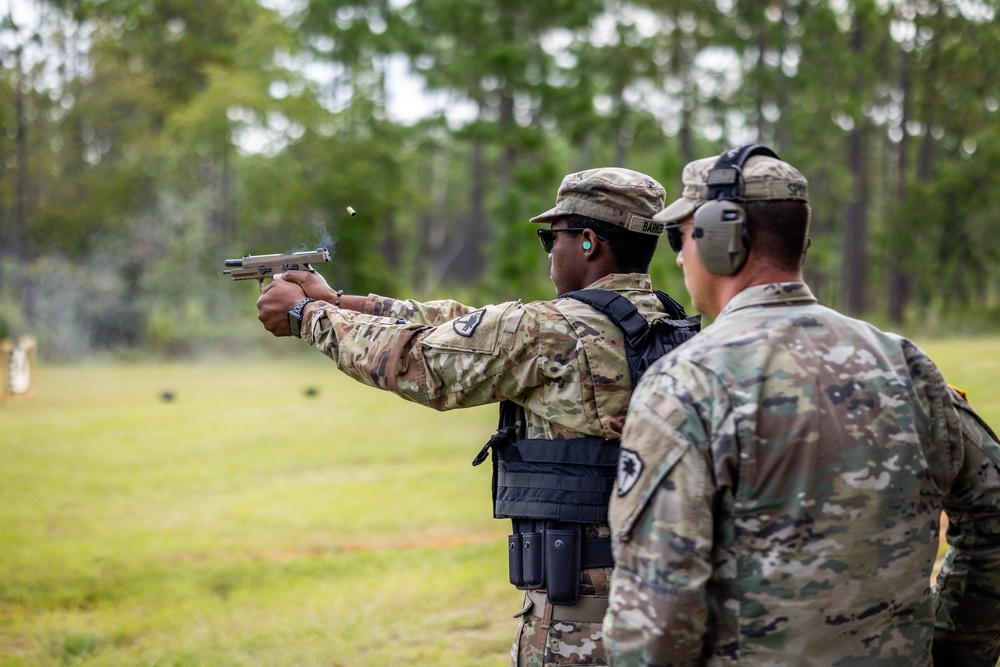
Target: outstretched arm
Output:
{"points": [[431, 313]]}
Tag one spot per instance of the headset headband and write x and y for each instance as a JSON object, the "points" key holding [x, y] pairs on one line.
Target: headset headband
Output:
{"points": [[725, 180]]}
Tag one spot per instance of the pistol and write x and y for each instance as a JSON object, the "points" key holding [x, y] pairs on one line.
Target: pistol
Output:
{"points": [[265, 266]]}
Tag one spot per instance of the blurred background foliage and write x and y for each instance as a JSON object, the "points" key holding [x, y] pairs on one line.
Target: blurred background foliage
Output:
{"points": [[144, 141]]}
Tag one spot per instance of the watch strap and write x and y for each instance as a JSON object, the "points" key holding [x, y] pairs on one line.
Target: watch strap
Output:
{"points": [[295, 317]]}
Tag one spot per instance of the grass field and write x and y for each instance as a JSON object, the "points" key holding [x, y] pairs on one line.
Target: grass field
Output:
{"points": [[245, 522]]}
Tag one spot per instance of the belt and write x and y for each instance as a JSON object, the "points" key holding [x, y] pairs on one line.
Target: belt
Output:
{"points": [[590, 608]]}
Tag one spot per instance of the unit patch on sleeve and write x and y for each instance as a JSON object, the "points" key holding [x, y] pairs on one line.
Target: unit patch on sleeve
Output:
{"points": [[466, 324], [629, 469]]}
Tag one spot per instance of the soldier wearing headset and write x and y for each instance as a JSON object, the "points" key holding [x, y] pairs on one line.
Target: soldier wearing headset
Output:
{"points": [[782, 475]]}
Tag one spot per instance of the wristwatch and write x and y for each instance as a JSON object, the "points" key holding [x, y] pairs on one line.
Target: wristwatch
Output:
{"points": [[295, 317]]}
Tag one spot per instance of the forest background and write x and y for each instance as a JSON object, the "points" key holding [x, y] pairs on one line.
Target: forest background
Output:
{"points": [[142, 142]]}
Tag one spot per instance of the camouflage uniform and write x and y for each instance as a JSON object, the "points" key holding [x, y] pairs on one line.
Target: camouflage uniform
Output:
{"points": [[561, 360], [779, 496]]}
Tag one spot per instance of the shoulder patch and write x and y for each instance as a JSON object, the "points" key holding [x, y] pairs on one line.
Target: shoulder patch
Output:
{"points": [[629, 469], [466, 325]]}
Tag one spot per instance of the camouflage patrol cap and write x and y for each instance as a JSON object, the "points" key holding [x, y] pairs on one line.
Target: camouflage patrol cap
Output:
{"points": [[764, 178], [610, 194]]}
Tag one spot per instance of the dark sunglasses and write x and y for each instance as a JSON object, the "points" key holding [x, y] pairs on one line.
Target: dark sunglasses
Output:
{"points": [[548, 236], [674, 236]]}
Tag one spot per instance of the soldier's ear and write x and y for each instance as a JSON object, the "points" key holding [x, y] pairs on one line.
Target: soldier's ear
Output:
{"points": [[590, 239]]}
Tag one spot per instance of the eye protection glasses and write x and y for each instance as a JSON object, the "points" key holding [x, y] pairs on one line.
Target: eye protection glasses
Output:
{"points": [[674, 236], [548, 236]]}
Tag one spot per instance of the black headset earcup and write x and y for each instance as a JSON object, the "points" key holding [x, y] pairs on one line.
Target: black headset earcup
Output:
{"points": [[719, 231]]}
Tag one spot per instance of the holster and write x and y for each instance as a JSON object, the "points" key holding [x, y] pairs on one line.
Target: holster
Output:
{"points": [[562, 565], [550, 558], [533, 560]]}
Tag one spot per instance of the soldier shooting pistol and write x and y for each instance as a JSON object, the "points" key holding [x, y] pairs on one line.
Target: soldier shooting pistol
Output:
{"points": [[266, 266]]}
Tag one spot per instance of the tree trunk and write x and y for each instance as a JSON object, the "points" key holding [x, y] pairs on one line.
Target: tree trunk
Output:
{"points": [[21, 246], [227, 197], [621, 125], [781, 132], [217, 179], [900, 281], [435, 227], [391, 250], [856, 227], [759, 92], [466, 261], [508, 158], [689, 103], [855, 251]]}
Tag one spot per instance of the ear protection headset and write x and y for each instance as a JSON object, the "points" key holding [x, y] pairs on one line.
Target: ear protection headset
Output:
{"points": [[720, 224]]}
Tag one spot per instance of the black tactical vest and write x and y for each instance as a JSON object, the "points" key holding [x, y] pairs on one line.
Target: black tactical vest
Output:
{"points": [[551, 488]]}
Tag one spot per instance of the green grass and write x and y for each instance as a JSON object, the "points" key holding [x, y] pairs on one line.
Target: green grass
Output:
{"points": [[245, 523], [973, 365]]}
